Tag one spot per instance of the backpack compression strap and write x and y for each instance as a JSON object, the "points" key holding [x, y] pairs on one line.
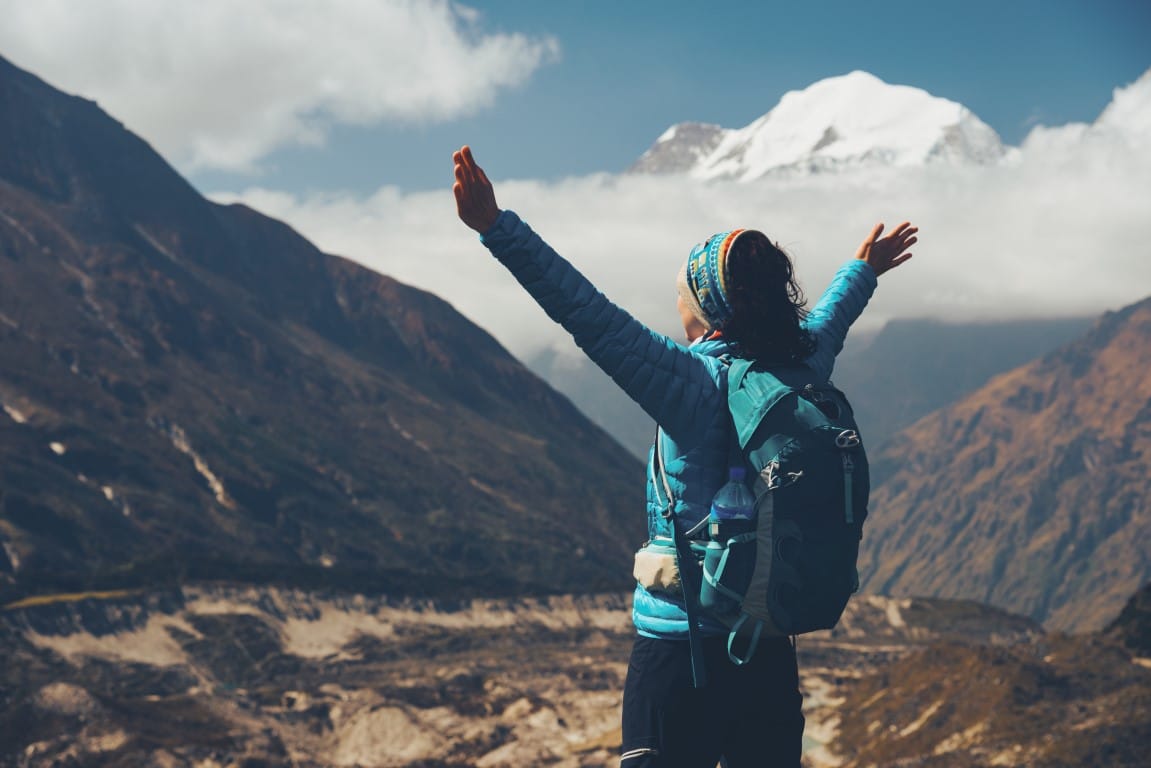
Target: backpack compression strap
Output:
{"points": [[687, 583]]}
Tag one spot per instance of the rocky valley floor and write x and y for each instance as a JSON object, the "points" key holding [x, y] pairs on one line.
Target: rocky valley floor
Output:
{"points": [[214, 676]]}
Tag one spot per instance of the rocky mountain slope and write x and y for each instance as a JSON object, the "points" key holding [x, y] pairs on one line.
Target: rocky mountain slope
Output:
{"points": [[852, 121], [194, 391], [1062, 701], [213, 676], [1030, 493], [1054, 700]]}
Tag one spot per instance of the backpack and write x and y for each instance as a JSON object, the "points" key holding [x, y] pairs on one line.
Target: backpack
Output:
{"points": [[795, 570]]}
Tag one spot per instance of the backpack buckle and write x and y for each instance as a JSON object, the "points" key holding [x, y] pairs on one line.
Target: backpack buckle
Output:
{"points": [[774, 481], [771, 479], [848, 438]]}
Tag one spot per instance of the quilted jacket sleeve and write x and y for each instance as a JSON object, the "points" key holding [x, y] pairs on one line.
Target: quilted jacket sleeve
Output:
{"points": [[676, 387], [838, 307]]}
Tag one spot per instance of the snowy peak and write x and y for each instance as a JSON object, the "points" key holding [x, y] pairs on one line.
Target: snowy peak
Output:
{"points": [[681, 148], [835, 124]]}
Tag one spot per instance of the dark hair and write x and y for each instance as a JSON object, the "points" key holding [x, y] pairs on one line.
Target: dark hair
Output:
{"points": [[767, 303]]}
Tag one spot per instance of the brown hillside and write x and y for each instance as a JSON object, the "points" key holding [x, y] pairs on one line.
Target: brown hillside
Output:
{"points": [[1058, 702], [194, 391], [1031, 493]]}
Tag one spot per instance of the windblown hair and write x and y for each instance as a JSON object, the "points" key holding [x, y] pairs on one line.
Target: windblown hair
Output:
{"points": [[767, 303]]}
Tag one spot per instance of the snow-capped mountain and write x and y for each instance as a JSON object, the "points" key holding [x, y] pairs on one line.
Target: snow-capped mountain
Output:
{"points": [[835, 124]]}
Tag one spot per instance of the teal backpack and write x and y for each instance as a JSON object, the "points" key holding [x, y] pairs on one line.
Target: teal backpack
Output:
{"points": [[795, 569]]}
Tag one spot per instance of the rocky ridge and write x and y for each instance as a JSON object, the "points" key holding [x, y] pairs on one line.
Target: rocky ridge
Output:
{"points": [[1031, 492]]}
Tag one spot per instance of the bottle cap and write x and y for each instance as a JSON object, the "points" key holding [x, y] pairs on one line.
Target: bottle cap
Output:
{"points": [[736, 473]]}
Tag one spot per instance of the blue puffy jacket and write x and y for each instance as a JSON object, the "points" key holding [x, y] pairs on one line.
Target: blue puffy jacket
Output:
{"points": [[684, 389]]}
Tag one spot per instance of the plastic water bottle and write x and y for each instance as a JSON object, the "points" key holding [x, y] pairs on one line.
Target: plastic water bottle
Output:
{"points": [[732, 509], [727, 564]]}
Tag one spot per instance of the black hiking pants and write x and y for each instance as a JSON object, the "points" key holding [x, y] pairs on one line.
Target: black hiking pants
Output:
{"points": [[750, 716]]}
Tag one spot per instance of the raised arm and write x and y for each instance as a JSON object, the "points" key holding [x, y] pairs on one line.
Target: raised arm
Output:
{"points": [[676, 387], [851, 288]]}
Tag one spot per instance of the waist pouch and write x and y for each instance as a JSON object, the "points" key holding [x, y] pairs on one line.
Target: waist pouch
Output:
{"points": [[656, 568]]}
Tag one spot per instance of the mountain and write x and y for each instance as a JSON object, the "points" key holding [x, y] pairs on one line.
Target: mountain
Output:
{"points": [[1031, 492], [908, 369], [855, 120], [194, 391], [915, 366], [596, 395]]}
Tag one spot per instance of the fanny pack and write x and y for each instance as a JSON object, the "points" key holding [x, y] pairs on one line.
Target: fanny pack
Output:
{"points": [[655, 567]]}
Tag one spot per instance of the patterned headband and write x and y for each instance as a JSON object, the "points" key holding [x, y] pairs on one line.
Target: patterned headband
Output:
{"points": [[706, 273]]}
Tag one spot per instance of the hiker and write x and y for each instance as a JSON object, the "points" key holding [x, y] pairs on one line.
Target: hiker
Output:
{"points": [[736, 297]]}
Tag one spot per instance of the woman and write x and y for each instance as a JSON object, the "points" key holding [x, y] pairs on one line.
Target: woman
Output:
{"points": [[737, 296]]}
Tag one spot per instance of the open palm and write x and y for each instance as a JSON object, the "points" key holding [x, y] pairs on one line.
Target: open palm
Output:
{"points": [[475, 197], [889, 252]]}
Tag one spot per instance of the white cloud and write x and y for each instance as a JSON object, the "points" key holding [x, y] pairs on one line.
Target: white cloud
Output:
{"points": [[1063, 228], [220, 84]]}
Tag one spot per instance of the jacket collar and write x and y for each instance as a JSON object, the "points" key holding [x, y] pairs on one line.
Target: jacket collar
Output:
{"points": [[712, 347]]}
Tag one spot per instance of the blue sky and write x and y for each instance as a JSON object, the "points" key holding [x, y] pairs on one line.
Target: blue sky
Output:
{"points": [[626, 70], [354, 94]]}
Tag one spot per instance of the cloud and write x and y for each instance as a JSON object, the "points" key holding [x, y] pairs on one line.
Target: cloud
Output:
{"points": [[1059, 229], [220, 84]]}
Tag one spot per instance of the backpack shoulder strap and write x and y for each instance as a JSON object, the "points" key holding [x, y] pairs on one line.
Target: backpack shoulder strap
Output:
{"points": [[752, 393], [759, 398], [687, 581]]}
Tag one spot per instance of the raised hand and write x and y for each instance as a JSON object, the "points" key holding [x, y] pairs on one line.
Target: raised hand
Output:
{"points": [[475, 197], [887, 253]]}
